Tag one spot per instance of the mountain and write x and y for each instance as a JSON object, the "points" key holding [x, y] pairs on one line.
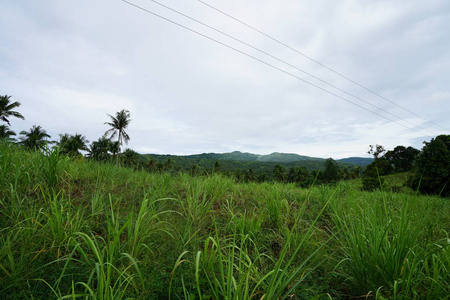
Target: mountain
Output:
{"points": [[276, 157], [360, 161], [287, 157]]}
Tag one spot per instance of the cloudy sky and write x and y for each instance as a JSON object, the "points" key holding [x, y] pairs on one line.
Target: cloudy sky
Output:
{"points": [[70, 63]]}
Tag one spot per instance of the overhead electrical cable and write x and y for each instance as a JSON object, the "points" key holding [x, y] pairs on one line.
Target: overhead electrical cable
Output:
{"points": [[266, 63], [321, 64], [288, 64]]}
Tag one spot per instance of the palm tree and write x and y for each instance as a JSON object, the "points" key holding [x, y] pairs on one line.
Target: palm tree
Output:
{"points": [[118, 125], [71, 144], [131, 158], [5, 133], [35, 139], [6, 109], [99, 150]]}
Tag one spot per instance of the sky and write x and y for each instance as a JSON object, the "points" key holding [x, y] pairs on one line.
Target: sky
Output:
{"points": [[381, 72]]}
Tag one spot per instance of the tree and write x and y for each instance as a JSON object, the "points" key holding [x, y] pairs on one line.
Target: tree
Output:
{"points": [[402, 158], [118, 125], [380, 166], [376, 151], [299, 175], [433, 167], [72, 144], [279, 173], [6, 109], [100, 150], [35, 139], [5, 133], [131, 158], [250, 175], [331, 173], [216, 167]]}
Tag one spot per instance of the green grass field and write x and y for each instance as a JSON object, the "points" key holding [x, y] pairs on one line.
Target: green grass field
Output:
{"points": [[74, 229]]}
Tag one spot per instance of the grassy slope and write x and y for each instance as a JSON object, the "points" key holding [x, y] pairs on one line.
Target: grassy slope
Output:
{"points": [[82, 228]]}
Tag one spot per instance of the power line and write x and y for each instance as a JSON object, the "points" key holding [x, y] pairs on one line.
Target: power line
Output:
{"points": [[321, 64], [266, 63], [288, 64]]}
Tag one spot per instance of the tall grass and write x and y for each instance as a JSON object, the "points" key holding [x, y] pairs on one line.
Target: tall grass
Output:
{"points": [[79, 229], [387, 252]]}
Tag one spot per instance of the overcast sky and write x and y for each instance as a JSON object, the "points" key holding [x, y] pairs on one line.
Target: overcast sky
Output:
{"points": [[70, 63]]}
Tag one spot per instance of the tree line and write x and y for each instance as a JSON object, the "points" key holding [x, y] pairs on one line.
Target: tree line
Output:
{"points": [[37, 138], [429, 167]]}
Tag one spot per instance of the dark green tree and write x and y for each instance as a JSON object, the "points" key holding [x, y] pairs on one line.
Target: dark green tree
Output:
{"points": [[101, 149], [433, 167], [331, 173], [72, 144], [216, 167], [376, 151], [250, 175], [35, 139], [402, 158], [6, 133], [169, 165], [118, 125], [6, 109], [194, 170], [131, 158], [371, 178], [279, 173]]}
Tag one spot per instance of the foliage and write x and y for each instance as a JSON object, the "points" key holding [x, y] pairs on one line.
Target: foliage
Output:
{"points": [[119, 124], [72, 144], [6, 109], [376, 150], [371, 178], [331, 172], [102, 149], [131, 158], [35, 139], [433, 167], [279, 173], [402, 158], [6, 133]]}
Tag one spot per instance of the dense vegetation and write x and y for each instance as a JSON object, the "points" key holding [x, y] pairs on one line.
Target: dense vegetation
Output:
{"points": [[73, 228]]}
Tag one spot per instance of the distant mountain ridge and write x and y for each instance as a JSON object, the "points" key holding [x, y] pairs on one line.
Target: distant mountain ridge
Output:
{"points": [[360, 161], [273, 157]]}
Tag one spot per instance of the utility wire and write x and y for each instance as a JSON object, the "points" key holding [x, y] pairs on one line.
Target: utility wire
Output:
{"points": [[266, 63], [321, 64], [288, 64]]}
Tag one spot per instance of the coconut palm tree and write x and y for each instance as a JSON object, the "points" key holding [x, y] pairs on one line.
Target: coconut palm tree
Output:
{"points": [[5, 133], [118, 125], [100, 149], [35, 139], [71, 144], [6, 109]]}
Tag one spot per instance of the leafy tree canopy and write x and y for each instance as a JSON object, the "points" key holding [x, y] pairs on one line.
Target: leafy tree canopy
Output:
{"points": [[6, 133], [402, 158], [100, 150], [35, 139], [72, 144], [6, 109], [433, 167], [118, 125]]}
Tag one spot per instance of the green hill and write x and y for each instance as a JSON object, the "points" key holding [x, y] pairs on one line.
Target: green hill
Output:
{"points": [[360, 161]]}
